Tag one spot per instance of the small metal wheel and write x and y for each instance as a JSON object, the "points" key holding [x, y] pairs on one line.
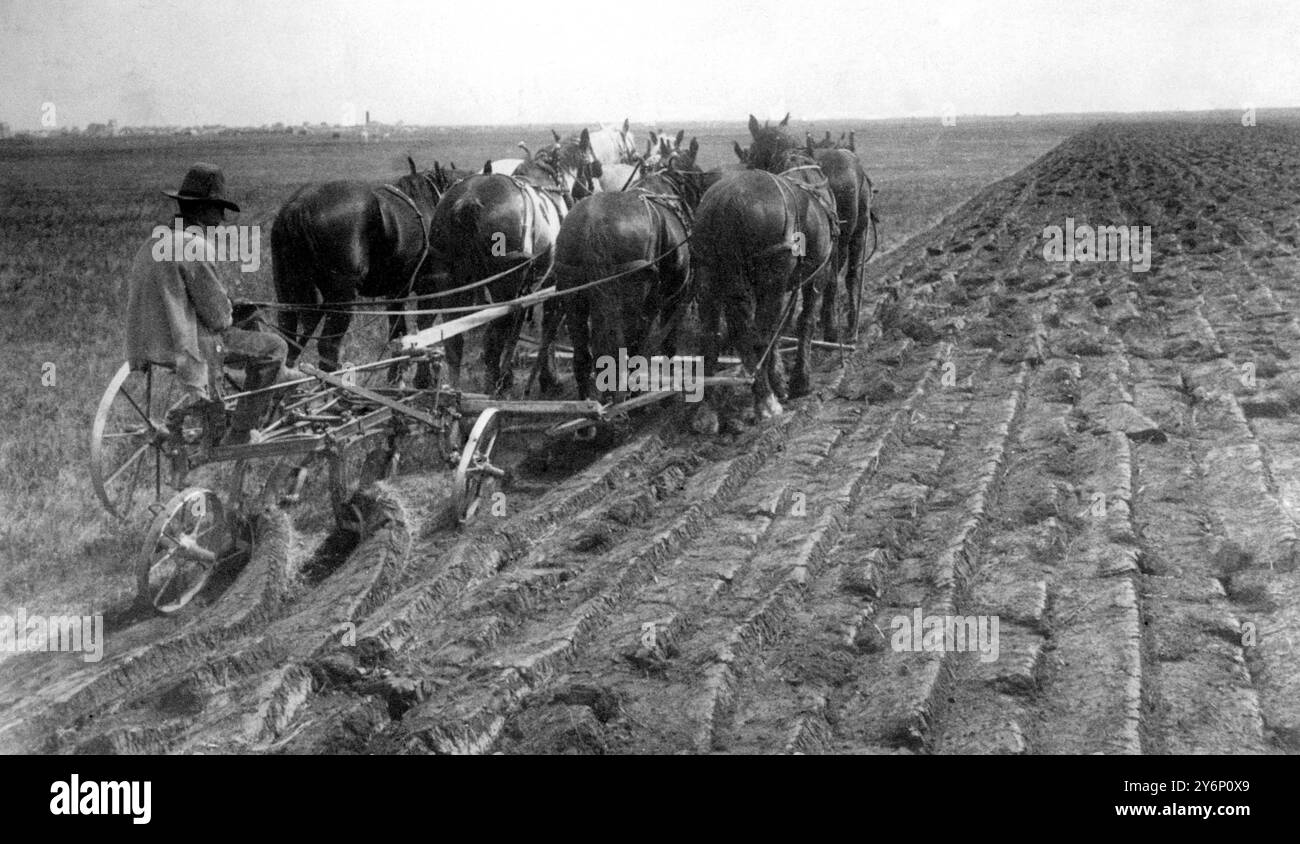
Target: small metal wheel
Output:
{"points": [[475, 475], [186, 542], [131, 448]]}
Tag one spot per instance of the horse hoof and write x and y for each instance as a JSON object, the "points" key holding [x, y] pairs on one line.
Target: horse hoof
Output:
{"points": [[705, 421], [769, 408]]}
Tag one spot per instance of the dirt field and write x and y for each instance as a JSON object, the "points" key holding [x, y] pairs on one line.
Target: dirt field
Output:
{"points": [[73, 213], [1074, 448]]}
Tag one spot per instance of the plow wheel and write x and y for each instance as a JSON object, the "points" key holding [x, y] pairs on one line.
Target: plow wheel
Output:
{"points": [[476, 475], [188, 539], [131, 449]]}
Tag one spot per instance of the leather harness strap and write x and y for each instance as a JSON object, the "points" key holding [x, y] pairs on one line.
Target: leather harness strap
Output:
{"points": [[424, 228]]}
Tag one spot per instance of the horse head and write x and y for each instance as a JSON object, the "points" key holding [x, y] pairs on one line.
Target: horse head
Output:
{"points": [[770, 143], [664, 147], [424, 188], [625, 143], [571, 166], [691, 181], [609, 145]]}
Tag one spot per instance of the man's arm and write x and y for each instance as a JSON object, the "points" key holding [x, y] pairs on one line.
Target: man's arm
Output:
{"points": [[208, 294]]}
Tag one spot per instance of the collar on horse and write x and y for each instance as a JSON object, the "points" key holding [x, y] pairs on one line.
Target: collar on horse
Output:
{"points": [[559, 187]]}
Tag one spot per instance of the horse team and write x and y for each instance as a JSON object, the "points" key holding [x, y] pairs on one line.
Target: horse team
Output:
{"points": [[630, 239]]}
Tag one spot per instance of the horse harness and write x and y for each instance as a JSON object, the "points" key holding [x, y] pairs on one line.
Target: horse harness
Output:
{"points": [[424, 225], [793, 232]]}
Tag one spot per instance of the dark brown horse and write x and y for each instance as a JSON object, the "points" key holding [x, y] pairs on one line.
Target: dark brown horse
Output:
{"points": [[846, 141], [761, 240], [775, 151], [336, 241], [642, 232], [492, 223]]}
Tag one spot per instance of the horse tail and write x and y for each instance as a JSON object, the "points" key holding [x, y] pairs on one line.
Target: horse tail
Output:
{"points": [[465, 214]]}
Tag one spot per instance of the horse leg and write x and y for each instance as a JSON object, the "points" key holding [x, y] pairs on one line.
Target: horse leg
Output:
{"points": [[672, 307], [801, 380], [774, 366], [830, 330], [424, 370], [396, 328], [499, 351], [546, 378], [455, 349], [852, 278], [544, 368], [287, 319], [710, 320], [454, 346], [746, 336], [493, 343], [306, 327], [331, 339], [576, 314]]}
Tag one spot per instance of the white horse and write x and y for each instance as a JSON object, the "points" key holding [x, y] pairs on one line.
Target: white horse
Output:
{"points": [[609, 146], [659, 148]]}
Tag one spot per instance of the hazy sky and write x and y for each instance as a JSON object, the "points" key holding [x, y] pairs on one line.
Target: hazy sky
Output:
{"points": [[248, 62]]}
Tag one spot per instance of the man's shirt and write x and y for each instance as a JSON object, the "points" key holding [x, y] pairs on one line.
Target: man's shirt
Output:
{"points": [[176, 310]]}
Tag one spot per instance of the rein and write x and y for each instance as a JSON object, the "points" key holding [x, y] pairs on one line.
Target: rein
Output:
{"points": [[530, 299]]}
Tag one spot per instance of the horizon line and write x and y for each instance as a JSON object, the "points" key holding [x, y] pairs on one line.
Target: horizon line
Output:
{"points": [[863, 119]]}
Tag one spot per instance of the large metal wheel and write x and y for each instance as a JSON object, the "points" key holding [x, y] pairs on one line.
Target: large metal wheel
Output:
{"points": [[131, 448], [186, 542], [476, 476]]}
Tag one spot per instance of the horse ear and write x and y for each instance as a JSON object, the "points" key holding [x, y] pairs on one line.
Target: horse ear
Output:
{"points": [[695, 148], [527, 153], [487, 168], [626, 125], [785, 120], [853, 147], [584, 141], [654, 138], [808, 146], [740, 152], [753, 126], [556, 135], [681, 133], [411, 161]]}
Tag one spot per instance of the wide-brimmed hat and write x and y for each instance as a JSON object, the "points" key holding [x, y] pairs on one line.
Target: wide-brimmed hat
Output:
{"points": [[204, 183]]}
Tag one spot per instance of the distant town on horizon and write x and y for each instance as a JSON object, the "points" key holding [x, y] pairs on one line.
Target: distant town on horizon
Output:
{"points": [[378, 130]]}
